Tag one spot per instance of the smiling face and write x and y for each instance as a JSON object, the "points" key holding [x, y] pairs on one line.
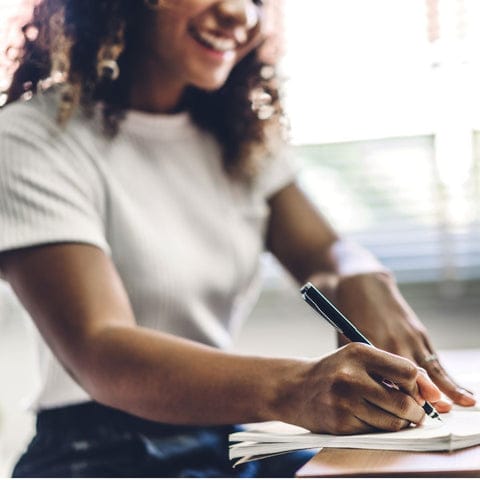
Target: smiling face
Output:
{"points": [[198, 42]]}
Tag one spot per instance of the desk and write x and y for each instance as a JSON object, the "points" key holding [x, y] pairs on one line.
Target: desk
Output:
{"points": [[342, 462]]}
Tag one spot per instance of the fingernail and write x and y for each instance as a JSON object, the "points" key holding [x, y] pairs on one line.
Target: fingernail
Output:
{"points": [[468, 399], [465, 392]]}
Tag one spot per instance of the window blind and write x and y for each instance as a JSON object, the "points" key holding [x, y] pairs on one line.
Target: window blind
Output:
{"points": [[387, 195]]}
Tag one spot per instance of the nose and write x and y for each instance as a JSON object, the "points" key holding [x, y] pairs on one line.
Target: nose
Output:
{"points": [[239, 12]]}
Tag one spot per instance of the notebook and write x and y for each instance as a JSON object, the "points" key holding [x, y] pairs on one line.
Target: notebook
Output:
{"points": [[460, 429]]}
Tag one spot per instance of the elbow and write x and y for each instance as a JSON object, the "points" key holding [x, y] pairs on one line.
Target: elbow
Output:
{"points": [[91, 366]]}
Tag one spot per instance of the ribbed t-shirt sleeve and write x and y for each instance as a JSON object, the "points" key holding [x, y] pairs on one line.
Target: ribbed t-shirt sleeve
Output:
{"points": [[277, 172], [48, 193]]}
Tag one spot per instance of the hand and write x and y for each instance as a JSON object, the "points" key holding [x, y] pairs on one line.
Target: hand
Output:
{"points": [[343, 394], [375, 305]]}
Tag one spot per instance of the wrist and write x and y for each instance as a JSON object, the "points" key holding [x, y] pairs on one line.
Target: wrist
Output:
{"points": [[382, 277], [288, 389], [350, 262], [350, 259], [333, 286], [371, 283]]}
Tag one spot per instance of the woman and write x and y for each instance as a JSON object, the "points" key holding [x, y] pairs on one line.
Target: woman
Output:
{"points": [[138, 188]]}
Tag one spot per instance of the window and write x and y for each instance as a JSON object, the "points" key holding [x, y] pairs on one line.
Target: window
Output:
{"points": [[376, 69], [384, 105]]}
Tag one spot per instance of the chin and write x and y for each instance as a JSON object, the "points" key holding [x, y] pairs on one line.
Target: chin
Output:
{"points": [[211, 84], [210, 87]]}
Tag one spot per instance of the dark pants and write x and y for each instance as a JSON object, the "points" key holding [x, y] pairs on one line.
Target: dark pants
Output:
{"points": [[91, 440]]}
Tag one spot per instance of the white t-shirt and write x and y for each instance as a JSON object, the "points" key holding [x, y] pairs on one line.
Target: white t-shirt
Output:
{"points": [[185, 238]]}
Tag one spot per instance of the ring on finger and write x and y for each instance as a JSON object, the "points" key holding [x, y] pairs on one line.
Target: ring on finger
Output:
{"points": [[431, 357]]}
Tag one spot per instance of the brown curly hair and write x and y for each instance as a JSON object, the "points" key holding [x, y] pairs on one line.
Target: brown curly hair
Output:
{"points": [[62, 43]]}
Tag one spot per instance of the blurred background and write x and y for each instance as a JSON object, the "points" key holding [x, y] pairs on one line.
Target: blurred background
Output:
{"points": [[384, 104]]}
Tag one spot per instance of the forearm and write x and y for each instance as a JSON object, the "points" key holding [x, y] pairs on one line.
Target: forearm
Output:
{"points": [[83, 313], [172, 380], [308, 246], [167, 379]]}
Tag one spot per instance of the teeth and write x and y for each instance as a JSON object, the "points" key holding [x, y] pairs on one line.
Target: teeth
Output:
{"points": [[217, 43]]}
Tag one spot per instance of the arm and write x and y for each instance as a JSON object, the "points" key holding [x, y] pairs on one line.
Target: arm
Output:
{"points": [[306, 245], [77, 301]]}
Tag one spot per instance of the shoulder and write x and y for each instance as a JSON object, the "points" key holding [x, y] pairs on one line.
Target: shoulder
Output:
{"points": [[34, 122], [29, 130], [28, 134], [36, 154], [35, 117], [50, 187]]}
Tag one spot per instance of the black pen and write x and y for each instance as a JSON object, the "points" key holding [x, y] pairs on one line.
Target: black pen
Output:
{"points": [[338, 321]]}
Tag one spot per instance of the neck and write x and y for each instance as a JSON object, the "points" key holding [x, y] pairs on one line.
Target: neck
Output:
{"points": [[155, 92]]}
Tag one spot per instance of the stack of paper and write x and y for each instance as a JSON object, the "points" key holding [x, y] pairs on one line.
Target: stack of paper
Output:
{"points": [[459, 429]]}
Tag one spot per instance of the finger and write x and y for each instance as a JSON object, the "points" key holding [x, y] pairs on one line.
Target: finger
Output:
{"points": [[343, 422], [395, 403], [447, 385], [428, 390], [442, 379], [442, 406], [396, 369], [379, 419]]}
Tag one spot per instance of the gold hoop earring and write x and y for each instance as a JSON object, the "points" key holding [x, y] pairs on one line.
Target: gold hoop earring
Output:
{"points": [[107, 57], [108, 69]]}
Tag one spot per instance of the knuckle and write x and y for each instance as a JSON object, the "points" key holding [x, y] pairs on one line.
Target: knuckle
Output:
{"points": [[356, 349], [395, 424], [411, 370], [342, 383], [404, 405], [408, 371]]}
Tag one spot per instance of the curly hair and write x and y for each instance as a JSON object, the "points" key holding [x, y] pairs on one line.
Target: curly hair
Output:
{"points": [[65, 40]]}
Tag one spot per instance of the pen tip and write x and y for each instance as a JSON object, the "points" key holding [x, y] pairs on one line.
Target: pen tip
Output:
{"points": [[436, 416]]}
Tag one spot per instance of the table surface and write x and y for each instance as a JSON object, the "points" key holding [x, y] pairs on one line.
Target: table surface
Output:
{"points": [[342, 462]]}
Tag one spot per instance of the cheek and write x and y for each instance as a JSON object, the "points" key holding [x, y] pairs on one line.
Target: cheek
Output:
{"points": [[183, 10], [164, 37]]}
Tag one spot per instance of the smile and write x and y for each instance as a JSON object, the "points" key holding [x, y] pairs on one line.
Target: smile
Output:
{"points": [[214, 42]]}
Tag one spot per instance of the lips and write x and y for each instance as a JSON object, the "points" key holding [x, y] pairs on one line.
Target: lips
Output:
{"points": [[213, 41]]}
